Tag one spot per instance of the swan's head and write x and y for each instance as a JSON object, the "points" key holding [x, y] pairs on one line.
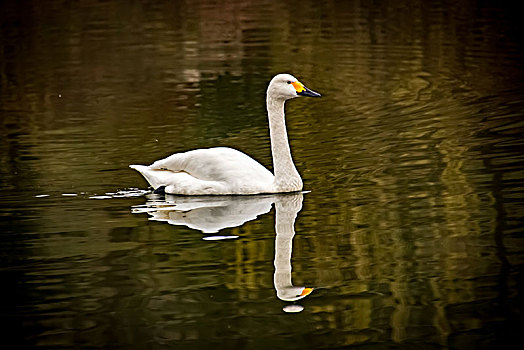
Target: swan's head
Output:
{"points": [[286, 86]]}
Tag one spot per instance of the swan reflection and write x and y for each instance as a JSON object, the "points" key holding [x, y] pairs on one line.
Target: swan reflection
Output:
{"points": [[211, 214]]}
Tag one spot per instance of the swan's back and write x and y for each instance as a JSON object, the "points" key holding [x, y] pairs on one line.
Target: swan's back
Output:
{"points": [[218, 170]]}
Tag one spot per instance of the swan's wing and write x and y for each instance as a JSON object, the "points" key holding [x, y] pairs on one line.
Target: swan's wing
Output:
{"points": [[208, 171], [216, 164]]}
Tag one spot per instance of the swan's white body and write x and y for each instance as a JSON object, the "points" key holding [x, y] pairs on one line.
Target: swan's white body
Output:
{"points": [[222, 170]]}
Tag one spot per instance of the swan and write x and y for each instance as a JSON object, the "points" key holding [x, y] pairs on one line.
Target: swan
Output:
{"points": [[227, 171]]}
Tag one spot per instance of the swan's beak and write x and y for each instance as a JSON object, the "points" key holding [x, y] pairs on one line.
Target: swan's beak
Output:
{"points": [[304, 91]]}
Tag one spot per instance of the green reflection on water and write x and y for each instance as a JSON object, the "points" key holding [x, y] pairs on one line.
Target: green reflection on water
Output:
{"points": [[411, 233]]}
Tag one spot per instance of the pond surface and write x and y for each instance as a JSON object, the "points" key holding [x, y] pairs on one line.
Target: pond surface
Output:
{"points": [[410, 233]]}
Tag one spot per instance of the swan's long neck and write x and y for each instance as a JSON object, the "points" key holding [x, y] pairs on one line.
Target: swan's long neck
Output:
{"points": [[287, 178]]}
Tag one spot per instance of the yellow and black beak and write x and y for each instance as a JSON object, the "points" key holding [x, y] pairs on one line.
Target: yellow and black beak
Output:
{"points": [[304, 91]]}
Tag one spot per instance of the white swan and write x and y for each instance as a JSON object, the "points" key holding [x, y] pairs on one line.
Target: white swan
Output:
{"points": [[222, 170]]}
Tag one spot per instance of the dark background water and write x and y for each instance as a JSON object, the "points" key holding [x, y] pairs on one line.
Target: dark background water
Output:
{"points": [[412, 234]]}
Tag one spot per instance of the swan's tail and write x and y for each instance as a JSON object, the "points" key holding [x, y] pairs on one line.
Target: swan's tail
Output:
{"points": [[155, 177]]}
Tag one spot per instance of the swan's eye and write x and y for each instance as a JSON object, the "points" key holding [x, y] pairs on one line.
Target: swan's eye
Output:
{"points": [[289, 82]]}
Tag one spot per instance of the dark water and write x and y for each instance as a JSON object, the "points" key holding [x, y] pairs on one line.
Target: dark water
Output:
{"points": [[412, 234]]}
